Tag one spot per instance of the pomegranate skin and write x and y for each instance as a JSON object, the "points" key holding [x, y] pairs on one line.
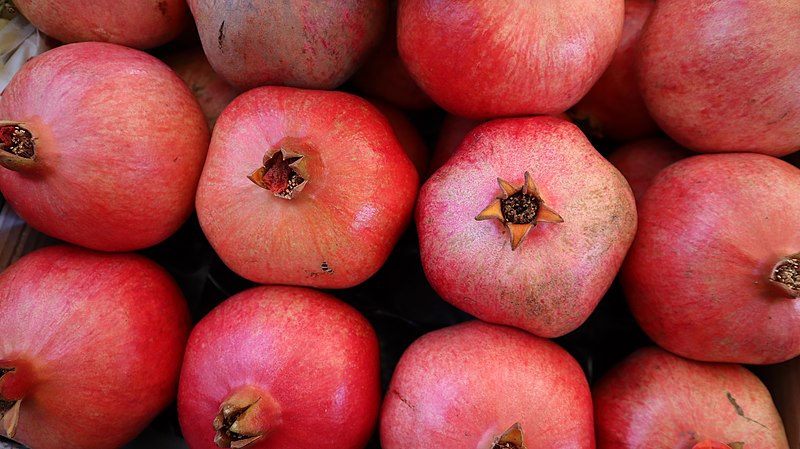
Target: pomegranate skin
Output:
{"points": [[552, 282], [140, 24], [641, 160], [711, 229], [614, 107], [657, 399], [104, 336], [314, 355], [721, 76], [120, 144], [464, 385], [483, 59], [212, 92], [300, 43], [339, 230]]}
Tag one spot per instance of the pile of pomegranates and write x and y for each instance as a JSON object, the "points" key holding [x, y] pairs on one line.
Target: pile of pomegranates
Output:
{"points": [[366, 224]]}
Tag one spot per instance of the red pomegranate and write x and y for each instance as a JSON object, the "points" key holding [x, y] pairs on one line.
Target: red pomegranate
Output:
{"points": [[91, 348], [304, 187], [714, 273], [656, 399], [279, 367], [573, 209], [614, 108], [641, 160], [485, 59], [301, 43], [140, 24], [212, 92], [484, 386], [102, 146], [722, 76]]}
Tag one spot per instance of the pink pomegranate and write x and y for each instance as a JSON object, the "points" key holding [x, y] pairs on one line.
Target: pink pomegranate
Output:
{"points": [[722, 76], [140, 24], [279, 367], [714, 273], [656, 399], [641, 160], [91, 348], [540, 249], [305, 187], [301, 43], [614, 108], [484, 386], [101, 146], [485, 59], [212, 92]]}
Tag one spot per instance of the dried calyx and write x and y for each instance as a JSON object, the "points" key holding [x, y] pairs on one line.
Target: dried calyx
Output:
{"points": [[510, 439], [244, 418], [786, 275], [519, 209], [282, 173], [17, 146], [14, 385], [713, 444]]}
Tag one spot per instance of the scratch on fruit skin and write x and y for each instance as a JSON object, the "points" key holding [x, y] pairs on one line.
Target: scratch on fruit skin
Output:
{"points": [[740, 411], [403, 400]]}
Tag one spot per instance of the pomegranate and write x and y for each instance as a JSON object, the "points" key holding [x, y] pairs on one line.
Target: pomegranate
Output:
{"points": [[657, 399], [305, 188], [485, 386], [383, 75], [614, 108], [484, 59], [722, 76], [301, 43], [573, 209], [641, 160], [212, 92], [141, 24], [102, 146], [91, 349], [714, 273], [278, 367]]}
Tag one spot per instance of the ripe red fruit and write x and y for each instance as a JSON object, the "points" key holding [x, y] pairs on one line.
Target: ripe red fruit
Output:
{"points": [[467, 385], [301, 43], [212, 92], [614, 108], [278, 367], [657, 399], [102, 146], [485, 59], [586, 217], [722, 76], [91, 349], [133, 23], [641, 160], [304, 188], [714, 273]]}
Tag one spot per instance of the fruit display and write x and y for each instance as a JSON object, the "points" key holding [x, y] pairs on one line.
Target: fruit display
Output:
{"points": [[399, 224]]}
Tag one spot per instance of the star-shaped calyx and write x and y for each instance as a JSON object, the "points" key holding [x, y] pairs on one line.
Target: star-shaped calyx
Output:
{"points": [[282, 173], [519, 209]]}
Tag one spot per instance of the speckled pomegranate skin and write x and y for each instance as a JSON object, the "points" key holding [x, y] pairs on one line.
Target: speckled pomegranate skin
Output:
{"points": [[464, 385], [722, 76], [301, 43], [314, 355], [552, 282], [656, 399], [711, 229], [484, 59]]}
